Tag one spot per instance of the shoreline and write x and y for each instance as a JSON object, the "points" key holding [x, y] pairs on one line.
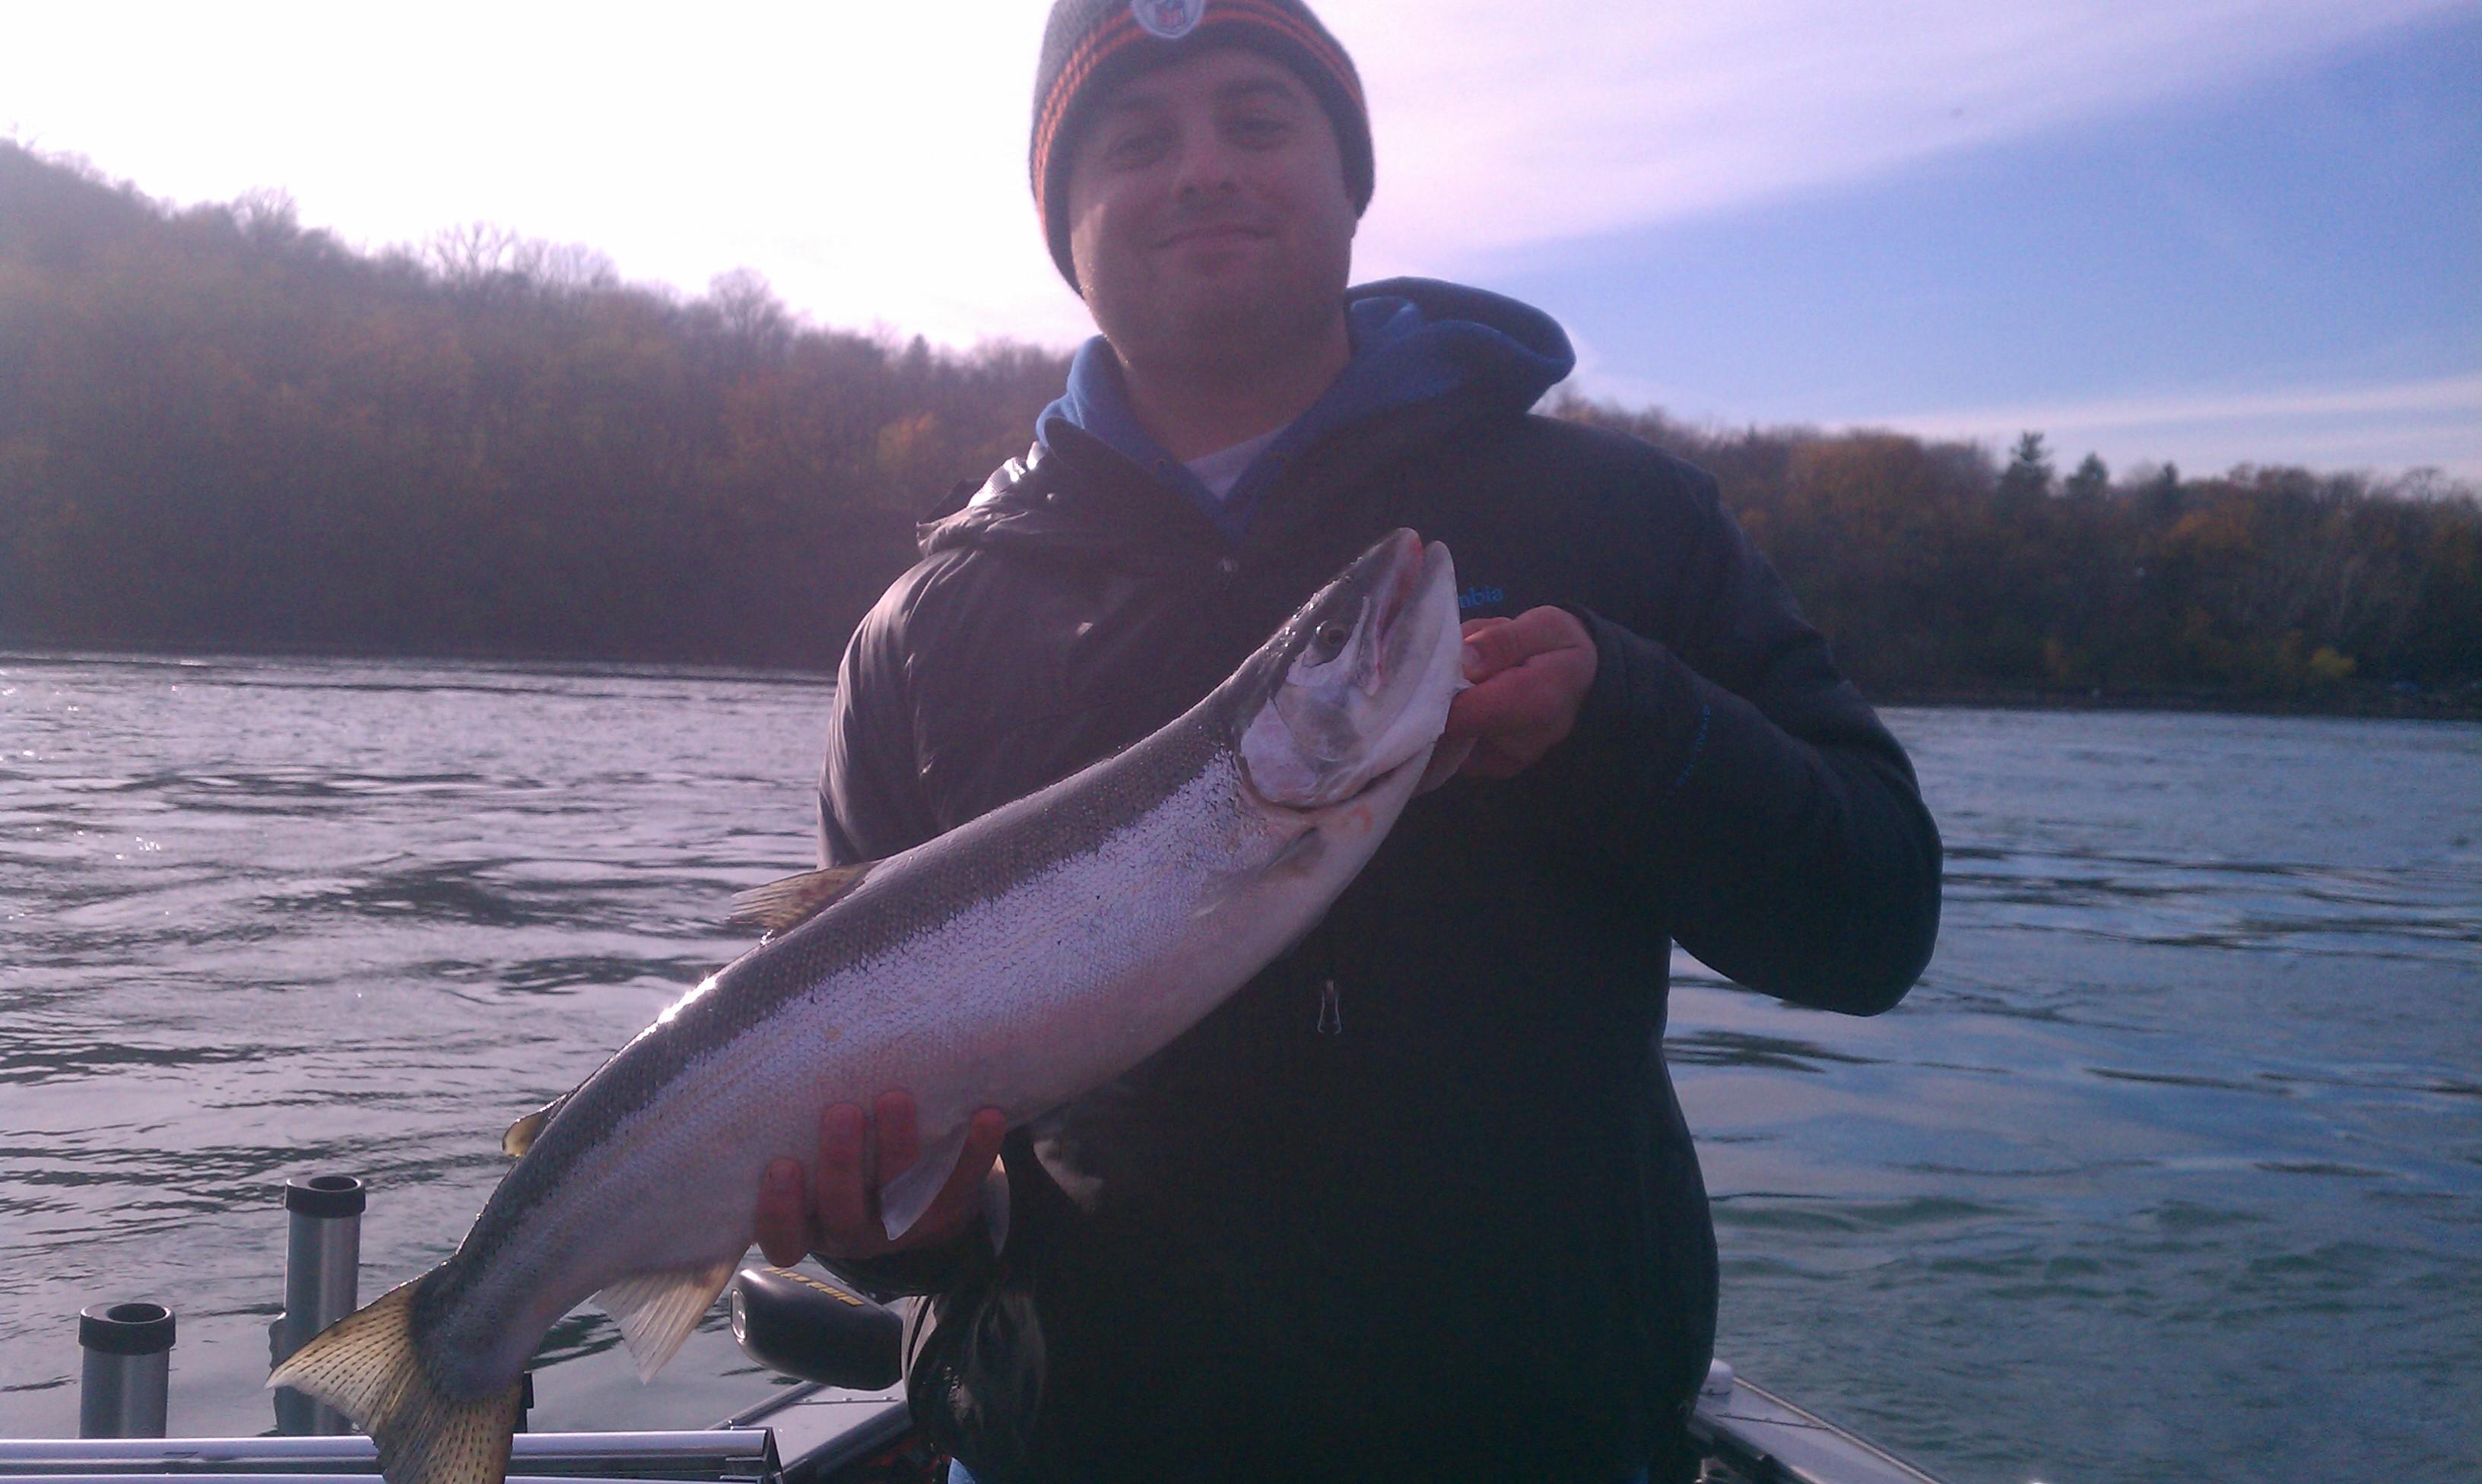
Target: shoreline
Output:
{"points": [[2347, 703], [2368, 702]]}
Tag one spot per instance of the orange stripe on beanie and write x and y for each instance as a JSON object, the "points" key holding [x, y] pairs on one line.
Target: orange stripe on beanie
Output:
{"points": [[1092, 46]]}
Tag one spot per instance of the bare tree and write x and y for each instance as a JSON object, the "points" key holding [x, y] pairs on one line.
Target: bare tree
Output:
{"points": [[751, 312], [559, 268], [472, 253], [267, 214]]}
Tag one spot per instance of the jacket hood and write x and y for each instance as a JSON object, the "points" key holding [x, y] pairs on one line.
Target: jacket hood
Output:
{"points": [[1416, 341]]}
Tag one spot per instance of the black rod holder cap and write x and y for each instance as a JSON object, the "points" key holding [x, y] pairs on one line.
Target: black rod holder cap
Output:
{"points": [[325, 1195], [125, 1329]]}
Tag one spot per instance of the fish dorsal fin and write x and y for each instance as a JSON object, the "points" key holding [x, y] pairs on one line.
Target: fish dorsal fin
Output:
{"points": [[522, 1133], [780, 906], [657, 1311]]}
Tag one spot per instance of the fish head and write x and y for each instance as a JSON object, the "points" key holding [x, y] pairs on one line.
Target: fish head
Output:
{"points": [[1356, 683]]}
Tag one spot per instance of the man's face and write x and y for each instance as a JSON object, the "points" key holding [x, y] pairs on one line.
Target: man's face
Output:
{"points": [[1207, 209]]}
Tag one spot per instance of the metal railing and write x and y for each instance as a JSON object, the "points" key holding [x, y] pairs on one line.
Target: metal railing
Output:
{"points": [[721, 1454]]}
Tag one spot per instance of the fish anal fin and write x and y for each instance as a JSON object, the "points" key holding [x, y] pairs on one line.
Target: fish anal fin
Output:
{"points": [[369, 1366], [901, 1200], [522, 1133], [657, 1311], [780, 906]]}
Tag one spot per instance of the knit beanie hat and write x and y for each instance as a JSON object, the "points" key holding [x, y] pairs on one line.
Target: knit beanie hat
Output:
{"points": [[1092, 46]]}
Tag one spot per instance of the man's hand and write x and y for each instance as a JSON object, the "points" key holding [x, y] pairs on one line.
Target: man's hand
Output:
{"points": [[841, 1218], [1530, 674]]}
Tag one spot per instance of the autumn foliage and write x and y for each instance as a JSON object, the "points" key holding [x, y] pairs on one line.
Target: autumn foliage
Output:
{"points": [[220, 431], [1938, 568]]}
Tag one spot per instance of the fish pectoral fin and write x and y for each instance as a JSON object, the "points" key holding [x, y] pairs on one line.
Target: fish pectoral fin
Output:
{"points": [[522, 1133], [780, 906], [1446, 759], [1299, 856], [901, 1200], [996, 1206], [657, 1311]]}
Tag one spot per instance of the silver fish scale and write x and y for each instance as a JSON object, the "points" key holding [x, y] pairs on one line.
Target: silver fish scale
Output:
{"points": [[1014, 970], [941, 878], [1016, 961]]}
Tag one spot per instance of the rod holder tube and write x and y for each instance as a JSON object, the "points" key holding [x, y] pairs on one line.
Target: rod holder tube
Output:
{"points": [[128, 1368], [323, 1266]]}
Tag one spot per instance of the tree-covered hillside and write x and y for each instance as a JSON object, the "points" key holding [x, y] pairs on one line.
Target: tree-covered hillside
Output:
{"points": [[220, 431], [1938, 568]]}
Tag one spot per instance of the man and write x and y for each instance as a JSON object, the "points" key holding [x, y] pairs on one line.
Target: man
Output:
{"points": [[1419, 1202]]}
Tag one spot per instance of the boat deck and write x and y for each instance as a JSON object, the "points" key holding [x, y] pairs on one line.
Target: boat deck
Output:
{"points": [[814, 1434]]}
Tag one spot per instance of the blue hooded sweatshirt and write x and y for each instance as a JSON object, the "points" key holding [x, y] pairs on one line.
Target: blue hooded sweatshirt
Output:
{"points": [[1413, 340]]}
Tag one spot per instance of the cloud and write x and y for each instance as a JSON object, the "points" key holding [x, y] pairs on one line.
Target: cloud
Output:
{"points": [[2448, 395], [2434, 422], [871, 160], [2387, 428], [1499, 127]]}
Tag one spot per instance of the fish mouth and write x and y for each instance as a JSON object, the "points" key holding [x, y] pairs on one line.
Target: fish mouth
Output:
{"points": [[1419, 640], [1424, 565]]}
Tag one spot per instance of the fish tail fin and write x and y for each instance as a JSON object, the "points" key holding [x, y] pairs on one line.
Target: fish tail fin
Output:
{"points": [[369, 1366]]}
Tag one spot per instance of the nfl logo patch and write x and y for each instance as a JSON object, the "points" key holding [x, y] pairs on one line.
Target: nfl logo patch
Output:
{"points": [[1170, 20]]}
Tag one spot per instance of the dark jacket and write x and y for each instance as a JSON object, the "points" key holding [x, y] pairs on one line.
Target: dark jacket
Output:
{"points": [[1418, 1201]]}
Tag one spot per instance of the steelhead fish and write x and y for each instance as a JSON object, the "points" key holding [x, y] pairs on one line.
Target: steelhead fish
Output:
{"points": [[1015, 962]]}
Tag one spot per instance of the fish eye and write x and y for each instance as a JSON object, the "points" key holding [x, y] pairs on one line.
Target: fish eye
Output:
{"points": [[1329, 638]]}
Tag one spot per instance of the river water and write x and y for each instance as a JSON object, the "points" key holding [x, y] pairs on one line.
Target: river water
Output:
{"points": [[2171, 1169]]}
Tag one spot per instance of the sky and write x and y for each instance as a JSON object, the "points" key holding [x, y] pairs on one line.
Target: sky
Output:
{"points": [[2201, 231]]}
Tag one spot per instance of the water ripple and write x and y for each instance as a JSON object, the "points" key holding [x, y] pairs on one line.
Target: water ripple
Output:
{"points": [[2169, 1169]]}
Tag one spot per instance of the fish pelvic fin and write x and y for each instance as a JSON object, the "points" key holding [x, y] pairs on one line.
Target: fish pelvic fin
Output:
{"points": [[903, 1200], [522, 1133], [369, 1366], [657, 1311], [780, 906]]}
